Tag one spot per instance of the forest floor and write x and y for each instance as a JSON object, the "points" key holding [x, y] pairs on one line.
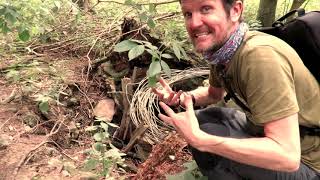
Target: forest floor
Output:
{"points": [[34, 145]]}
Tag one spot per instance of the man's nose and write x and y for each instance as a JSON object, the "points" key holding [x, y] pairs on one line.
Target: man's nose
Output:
{"points": [[196, 21]]}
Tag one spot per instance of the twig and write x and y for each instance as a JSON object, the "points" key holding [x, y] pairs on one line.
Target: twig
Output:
{"points": [[8, 120]]}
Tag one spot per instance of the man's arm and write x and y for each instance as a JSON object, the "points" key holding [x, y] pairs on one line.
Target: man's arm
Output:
{"points": [[278, 150], [207, 95]]}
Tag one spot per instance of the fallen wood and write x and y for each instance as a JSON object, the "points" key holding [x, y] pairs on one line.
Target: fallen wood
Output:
{"points": [[137, 134]]}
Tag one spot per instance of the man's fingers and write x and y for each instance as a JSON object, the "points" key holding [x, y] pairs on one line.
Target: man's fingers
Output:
{"points": [[187, 102], [167, 109], [166, 119], [158, 93], [176, 97], [165, 85]]}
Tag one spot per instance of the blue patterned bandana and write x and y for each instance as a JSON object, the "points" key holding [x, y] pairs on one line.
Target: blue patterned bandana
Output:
{"points": [[225, 53]]}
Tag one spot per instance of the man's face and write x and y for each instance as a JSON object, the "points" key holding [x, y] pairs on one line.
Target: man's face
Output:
{"points": [[207, 23]]}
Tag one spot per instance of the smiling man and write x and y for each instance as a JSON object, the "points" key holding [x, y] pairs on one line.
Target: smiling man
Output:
{"points": [[276, 137]]}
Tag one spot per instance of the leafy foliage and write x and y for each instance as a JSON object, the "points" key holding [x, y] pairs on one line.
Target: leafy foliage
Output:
{"points": [[103, 155]]}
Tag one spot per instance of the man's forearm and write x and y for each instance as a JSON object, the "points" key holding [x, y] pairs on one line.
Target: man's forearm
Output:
{"points": [[207, 95], [261, 152]]}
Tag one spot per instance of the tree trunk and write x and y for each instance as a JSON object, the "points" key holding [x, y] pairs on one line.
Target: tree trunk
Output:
{"points": [[267, 12]]}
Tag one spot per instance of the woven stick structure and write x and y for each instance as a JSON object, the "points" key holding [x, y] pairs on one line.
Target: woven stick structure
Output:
{"points": [[144, 106]]}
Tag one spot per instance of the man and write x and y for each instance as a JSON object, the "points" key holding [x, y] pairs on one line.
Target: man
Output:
{"points": [[269, 78]]}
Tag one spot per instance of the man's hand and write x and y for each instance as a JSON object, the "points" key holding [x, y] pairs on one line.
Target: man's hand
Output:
{"points": [[185, 123], [167, 95]]}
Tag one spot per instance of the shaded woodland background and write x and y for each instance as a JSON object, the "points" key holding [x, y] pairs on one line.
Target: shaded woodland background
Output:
{"points": [[69, 70]]}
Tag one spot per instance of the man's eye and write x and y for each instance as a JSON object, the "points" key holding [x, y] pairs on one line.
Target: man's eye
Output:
{"points": [[187, 15], [206, 9]]}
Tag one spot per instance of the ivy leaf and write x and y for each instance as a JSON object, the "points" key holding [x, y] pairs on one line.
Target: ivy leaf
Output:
{"points": [[136, 51], [176, 50], [44, 106], [151, 23], [167, 56], [24, 35], [166, 68], [125, 45], [154, 68]]}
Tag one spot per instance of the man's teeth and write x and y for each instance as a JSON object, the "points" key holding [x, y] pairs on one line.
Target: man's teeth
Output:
{"points": [[201, 34]]}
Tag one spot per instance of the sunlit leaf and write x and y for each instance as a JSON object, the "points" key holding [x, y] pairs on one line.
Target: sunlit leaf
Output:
{"points": [[167, 56], [91, 128], [136, 51], [113, 125], [98, 136], [154, 68], [104, 126], [125, 45], [166, 68]]}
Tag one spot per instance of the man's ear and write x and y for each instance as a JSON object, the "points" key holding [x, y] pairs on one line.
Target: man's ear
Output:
{"points": [[236, 11]]}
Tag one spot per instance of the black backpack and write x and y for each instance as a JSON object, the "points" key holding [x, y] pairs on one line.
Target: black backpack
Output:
{"points": [[303, 34]]}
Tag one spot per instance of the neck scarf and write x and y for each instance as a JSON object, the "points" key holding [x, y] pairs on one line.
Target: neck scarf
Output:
{"points": [[225, 53]]}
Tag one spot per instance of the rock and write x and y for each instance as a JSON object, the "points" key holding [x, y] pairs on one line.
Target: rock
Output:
{"points": [[105, 110]]}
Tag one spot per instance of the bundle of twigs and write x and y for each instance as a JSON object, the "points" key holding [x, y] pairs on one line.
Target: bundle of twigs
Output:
{"points": [[144, 105]]}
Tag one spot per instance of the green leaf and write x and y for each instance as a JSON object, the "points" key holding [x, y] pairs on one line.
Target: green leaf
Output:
{"points": [[154, 68], [153, 53], [91, 128], [183, 53], [151, 23], [136, 51], [113, 125], [98, 136], [167, 56], [24, 35], [98, 146], [152, 81], [104, 126], [143, 17], [166, 68], [176, 50], [90, 164], [44, 106], [125, 45]]}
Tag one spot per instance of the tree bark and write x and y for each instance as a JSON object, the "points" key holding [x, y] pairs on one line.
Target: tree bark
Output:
{"points": [[267, 12]]}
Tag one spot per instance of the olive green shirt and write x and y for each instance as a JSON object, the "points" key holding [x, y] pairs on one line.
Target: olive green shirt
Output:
{"points": [[271, 79]]}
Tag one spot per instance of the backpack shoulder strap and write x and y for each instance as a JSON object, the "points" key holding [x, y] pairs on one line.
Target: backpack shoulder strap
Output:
{"points": [[230, 93]]}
